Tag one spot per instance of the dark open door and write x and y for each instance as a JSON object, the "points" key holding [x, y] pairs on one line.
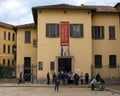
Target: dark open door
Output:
{"points": [[64, 64], [27, 69]]}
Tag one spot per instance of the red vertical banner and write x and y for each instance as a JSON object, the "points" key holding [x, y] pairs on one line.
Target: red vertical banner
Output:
{"points": [[64, 33]]}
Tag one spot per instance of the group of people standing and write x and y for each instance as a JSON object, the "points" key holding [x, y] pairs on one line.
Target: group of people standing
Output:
{"points": [[68, 78]]}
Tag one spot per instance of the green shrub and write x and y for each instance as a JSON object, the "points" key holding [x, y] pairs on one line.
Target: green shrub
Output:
{"points": [[6, 72]]}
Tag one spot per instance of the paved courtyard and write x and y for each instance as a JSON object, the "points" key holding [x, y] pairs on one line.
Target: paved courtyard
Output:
{"points": [[49, 91]]}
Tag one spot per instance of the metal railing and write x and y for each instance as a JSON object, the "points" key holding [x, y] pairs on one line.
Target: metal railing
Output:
{"points": [[110, 75], [29, 73], [7, 72]]}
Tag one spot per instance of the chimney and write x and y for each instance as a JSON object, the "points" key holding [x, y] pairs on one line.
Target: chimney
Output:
{"points": [[117, 6]]}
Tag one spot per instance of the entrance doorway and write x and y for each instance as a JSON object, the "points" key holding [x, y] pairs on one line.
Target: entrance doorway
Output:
{"points": [[64, 64], [27, 69]]}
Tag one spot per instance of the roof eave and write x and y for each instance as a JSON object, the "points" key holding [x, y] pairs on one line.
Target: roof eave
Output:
{"points": [[25, 26], [106, 12], [34, 10]]}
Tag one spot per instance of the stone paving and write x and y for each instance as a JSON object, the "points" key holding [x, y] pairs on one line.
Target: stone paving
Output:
{"points": [[114, 87], [49, 91]]}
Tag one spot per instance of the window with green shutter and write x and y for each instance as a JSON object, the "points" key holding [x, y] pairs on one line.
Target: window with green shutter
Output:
{"points": [[76, 30], [27, 36], [52, 30], [112, 61], [97, 32], [112, 32], [98, 61], [4, 35]]}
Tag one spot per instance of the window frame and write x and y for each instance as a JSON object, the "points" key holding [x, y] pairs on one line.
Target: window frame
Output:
{"points": [[76, 30], [8, 48], [111, 32], [98, 61], [112, 61], [98, 32], [8, 35], [52, 65], [13, 37], [27, 37], [8, 63], [4, 61], [4, 48], [52, 30], [5, 35], [40, 65]]}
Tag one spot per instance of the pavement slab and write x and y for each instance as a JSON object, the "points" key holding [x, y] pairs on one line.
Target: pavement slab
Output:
{"points": [[49, 91]]}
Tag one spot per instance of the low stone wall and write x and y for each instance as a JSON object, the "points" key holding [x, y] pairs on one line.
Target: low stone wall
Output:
{"points": [[112, 81], [8, 80]]}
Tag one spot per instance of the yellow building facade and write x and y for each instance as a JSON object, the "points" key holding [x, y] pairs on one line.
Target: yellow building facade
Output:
{"points": [[7, 44], [26, 50], [70, 39]]}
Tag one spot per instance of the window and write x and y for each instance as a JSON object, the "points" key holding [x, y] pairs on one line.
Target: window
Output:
{"points": [[97, 32], [98, 61], [4, 35], [8, 48], [40, 65], [13, 65], [76, 30], [3, 61], [8, 35], [52, 65], [4, 49], [8, 63], [13, 48], [13, 37], [52, 30], [112, 32], [27, 36], [112, 61]]}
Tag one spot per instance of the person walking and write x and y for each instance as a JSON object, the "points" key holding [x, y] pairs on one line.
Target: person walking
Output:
{"points": [[56, 83]]}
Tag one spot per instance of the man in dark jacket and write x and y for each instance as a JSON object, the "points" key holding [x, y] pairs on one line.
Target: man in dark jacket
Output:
{"points": [[56, 83], [48, 78]]}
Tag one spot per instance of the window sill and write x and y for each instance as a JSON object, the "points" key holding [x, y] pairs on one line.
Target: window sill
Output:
{"points": [[112, 39]]}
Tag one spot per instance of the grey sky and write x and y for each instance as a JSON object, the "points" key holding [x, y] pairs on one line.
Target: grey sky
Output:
{"points": [[19, 11]]}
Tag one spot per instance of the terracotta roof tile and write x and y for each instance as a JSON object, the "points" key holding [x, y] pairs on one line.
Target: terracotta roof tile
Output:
{"points": [[30, 25], [103, 8], [84, 7], [62, 6], [5, 25]]}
